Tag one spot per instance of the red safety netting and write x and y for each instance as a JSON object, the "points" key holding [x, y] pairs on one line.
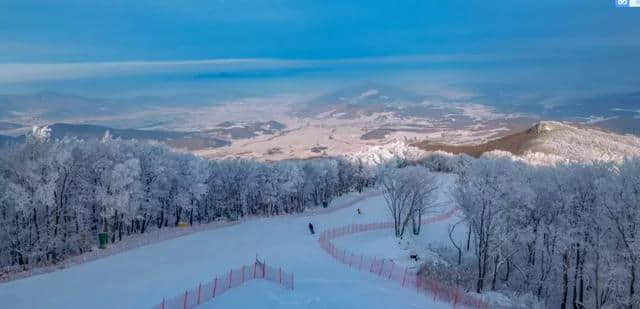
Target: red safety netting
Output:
{"points": [[387, 269], [219, 285]]}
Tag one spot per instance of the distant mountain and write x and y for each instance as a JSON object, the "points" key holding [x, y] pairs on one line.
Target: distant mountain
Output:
{"points": [[576, 142], [553, 141], [188, 140]]}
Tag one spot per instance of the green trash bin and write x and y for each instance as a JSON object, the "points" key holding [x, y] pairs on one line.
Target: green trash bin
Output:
{"points": [[102, 240]]}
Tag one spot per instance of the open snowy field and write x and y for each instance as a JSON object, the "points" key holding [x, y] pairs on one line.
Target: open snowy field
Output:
{"points": [[141, 277]]}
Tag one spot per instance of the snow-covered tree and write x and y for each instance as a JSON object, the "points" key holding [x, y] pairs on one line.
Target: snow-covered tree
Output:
{"points": [[565, 234], [56, 195], [409, 193]]}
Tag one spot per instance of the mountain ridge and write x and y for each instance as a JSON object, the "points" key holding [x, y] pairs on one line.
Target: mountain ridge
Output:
{"points": [[557, 141]]}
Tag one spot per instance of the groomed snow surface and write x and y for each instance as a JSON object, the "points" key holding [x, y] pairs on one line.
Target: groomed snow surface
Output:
{"points": [[140, 278]]}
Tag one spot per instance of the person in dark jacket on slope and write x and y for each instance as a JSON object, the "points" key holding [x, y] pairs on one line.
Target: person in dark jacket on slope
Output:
{"points": [[311, 228]]}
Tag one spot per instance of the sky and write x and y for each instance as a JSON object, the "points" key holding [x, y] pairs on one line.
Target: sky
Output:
{"points": [[145, 46]]}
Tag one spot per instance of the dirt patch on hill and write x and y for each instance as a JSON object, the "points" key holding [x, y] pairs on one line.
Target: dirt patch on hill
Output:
{"points": [[516, 143]]}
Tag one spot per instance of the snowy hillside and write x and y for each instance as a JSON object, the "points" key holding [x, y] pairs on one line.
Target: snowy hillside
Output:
{"points": [[581, 143], [550, 142]]}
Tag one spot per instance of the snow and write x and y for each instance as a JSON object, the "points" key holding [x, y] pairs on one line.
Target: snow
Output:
{"points": [[380, 154], [583, 144], [383, 244], [367, 94], [559, 142], [141, 277]]}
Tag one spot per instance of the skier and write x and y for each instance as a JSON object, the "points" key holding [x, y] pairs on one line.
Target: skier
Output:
{"points": [[359, 211], [311, 228]]}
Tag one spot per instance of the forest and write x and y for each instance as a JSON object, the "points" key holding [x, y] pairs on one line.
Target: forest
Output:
{"points": [[564, 235], [57, 195]]}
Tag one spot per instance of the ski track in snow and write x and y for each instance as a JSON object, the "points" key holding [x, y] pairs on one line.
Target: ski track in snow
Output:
{"points": [[140, 278]]}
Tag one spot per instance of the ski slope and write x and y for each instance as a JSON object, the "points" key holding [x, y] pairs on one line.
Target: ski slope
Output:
{"points": [[141, 277]]}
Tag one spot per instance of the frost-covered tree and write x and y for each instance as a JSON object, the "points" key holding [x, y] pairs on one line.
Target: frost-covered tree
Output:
{"points": [[480, 196], [565, 234], [621, 195], [409, 193], [57, 195]]}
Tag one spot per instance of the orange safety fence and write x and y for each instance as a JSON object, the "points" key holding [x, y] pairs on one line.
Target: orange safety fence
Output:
{"points": [[221, 284], [388, 269]]}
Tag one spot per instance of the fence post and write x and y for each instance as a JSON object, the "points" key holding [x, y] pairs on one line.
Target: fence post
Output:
{"points": [[391, 272], [215, 286], [381, 267], [455, 298], [435, 291], [404, 277], [360, 266], [292, 281], [351, 260], [230, 278], [372, 263], [162, 307], [184, 303], [254, 269], [264, 273], [280, 274], [199, 288]]}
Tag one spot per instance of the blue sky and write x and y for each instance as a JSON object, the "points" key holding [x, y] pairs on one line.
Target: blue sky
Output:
{"points": [[587, 41]]}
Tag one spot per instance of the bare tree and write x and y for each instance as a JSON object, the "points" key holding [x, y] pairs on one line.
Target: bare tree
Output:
{"points": [[409, 193], [451, 229], [423, 190]]}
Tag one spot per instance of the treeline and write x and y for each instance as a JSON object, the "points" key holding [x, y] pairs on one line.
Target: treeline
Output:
{"points": [[57, 195], [567, 235]]}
